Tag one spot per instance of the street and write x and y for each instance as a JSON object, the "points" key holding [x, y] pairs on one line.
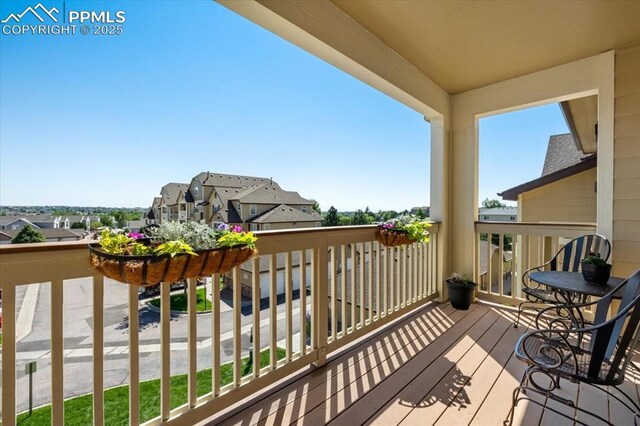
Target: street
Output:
{"points": [[78, 332]]}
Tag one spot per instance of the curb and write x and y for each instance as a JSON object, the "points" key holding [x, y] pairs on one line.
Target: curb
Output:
{"points": [[172, 312]]}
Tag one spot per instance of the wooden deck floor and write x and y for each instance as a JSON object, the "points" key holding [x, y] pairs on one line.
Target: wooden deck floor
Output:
{"points": [[436, 366]]}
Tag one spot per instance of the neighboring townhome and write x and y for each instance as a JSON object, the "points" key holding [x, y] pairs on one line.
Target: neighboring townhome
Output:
{"points": [[51, 235], [498, 214], [15, 223], [153, 215], [173, 203], [566, 191], [212, 191]]}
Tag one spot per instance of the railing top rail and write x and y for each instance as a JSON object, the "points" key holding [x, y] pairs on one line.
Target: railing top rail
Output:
{"points": [[267, 235], [537, 228]]}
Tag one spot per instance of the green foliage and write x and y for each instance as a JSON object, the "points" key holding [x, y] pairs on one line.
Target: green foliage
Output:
{"points": [[79, 411], [331, 218], [180, 302], [344, 220], [417, 228], [173, 248], [28, 235], [507, 240], [197, 234], [360, 218], [138, 249], [231, 239], [114, 243], [77, 225], [492, 203], [461, 280], [94, 225], [594, 260], [106, 220], [316, 206], [421, 214]]}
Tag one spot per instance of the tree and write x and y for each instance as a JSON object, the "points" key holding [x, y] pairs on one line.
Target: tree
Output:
{"points": [[490, 204], [344, 220], [420, 213], [331, 218], [77, 225], [316, 206], [28, 235], [507, 240], [360, 218], [106, 220]]}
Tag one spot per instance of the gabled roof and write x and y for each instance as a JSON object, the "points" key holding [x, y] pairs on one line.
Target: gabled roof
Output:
{"points": [[284, 213], [156, 202], [562, 160], [171, 191], [270, 194], [47, 232], [562, 152], [231, 181]]}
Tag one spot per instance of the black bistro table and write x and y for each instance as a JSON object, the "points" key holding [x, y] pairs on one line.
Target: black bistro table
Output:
{"points": [[572, 289], [568, 284]]}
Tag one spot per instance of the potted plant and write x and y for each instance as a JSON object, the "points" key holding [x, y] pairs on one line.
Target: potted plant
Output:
{"points": [[404, 229], [595, 270], [461, 290], [171, 252]]}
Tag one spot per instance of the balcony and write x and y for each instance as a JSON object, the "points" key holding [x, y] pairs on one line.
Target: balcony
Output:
{"points": [[377, 345]]}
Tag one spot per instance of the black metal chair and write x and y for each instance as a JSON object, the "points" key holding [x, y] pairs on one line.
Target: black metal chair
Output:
{"points": [[568, 258], [597, 355]]}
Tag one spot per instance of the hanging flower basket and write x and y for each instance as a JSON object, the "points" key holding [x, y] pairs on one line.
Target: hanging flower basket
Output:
{"points": [[148, 270], [392, 237], [404, 229], [170, 257]]}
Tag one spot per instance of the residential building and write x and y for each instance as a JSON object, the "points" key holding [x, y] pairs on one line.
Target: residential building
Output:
{"points": [[174, 200], [498, 214], [51, 235], [255, 203], [566, 189]]}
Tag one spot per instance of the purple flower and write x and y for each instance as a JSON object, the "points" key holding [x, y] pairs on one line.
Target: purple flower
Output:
{"points": [[223, 227], [136, 235], [387, 225], [236, 228]]}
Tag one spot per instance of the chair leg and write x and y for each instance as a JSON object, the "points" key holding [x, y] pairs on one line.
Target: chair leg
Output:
{"points": [[517, 321]]}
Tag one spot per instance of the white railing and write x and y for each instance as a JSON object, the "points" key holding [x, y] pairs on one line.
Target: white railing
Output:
{"points": [[346, 282], [514, 248]]}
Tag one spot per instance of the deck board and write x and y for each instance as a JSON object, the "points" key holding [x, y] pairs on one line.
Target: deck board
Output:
{"points": [[436, 366]]}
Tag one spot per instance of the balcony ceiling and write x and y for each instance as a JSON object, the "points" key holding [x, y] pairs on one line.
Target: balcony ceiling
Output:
{"points": [[463, 45]]}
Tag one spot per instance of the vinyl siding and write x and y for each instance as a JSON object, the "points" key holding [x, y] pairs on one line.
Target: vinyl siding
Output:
{"points": [[572, 199], [626, 178]]}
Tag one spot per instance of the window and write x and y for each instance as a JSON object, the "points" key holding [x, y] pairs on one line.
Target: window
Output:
{"points": [[266, 227], [195, 191], [253, 227], [201, 215], [304, 209], [253, 209]]}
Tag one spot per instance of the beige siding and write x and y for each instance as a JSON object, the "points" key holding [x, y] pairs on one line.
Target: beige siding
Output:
{"points": [[626, 184], [289, 225], [572, 199]]}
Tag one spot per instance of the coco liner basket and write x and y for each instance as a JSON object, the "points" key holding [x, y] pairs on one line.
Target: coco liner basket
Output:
{"points": [[148, 270], [391, 237]]}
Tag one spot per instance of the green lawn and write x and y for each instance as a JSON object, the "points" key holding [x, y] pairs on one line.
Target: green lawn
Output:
{"points": [[178, 301], [79, 411]]}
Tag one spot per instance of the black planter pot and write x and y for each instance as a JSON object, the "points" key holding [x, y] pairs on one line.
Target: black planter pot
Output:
{"points": [[460, 297], [596, 274]]}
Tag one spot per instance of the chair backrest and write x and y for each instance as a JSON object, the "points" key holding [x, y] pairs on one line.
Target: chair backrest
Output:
{"points": [[616, 339], [569, 256]]}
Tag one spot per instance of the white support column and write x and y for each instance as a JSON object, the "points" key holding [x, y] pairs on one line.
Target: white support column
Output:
{"points": [[606, 101], [440, 195]]}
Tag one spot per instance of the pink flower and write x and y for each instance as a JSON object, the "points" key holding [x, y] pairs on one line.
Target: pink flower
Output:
{"points": [[236, 228], [136, 235]]}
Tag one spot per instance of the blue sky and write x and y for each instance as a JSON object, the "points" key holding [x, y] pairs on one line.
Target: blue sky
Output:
{"points": [[190, 86]]}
